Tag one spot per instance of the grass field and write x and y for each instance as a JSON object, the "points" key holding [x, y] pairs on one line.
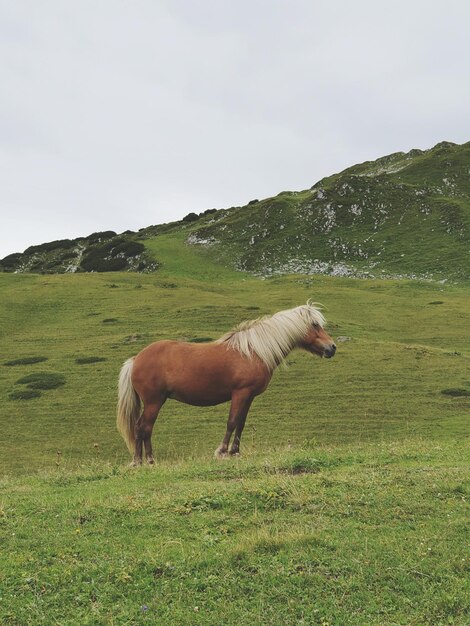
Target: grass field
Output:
{"points": [[346, 534], [347, 506]]}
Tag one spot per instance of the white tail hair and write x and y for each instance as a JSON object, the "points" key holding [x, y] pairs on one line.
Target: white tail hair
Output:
{"points": [[128, 409]]}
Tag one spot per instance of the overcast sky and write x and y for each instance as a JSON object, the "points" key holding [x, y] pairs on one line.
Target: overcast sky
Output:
{"points": [[118, 115]]}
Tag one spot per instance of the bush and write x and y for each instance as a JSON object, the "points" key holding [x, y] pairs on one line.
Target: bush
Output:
{"points": [[129, 248], [42, 380], [101, 236], [110, 256], [51, 245], [24, 394], [190, 217], [94, 262], [10, 261], [70, 254], [27, 360]]}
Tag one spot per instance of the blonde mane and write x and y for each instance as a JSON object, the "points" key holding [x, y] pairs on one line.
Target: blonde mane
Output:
{"points": [[271, 338]]}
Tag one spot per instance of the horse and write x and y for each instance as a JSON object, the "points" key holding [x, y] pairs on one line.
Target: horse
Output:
{"points": [[237, 367]]}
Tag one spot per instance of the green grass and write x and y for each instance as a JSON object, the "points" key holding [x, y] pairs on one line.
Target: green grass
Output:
{"points": [[27, 360], [386, 382], [347, 507], [374, 535]]}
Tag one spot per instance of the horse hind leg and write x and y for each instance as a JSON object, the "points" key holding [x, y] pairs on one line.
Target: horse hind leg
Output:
{"points": [[143, 432]]}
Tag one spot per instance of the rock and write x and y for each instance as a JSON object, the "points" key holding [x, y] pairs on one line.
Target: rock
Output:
{"points": [[342, 339]]}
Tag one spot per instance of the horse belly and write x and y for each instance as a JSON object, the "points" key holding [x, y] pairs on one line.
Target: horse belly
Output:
{"points": [[202, 384], [208, 394]]}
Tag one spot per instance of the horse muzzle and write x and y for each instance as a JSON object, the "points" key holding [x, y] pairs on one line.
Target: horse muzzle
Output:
{"points": [[329, 352]]}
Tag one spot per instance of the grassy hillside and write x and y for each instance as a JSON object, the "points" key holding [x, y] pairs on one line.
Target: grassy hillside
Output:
{"points": [[347, 507], [337, 535], [403, 215], [405, 348]]}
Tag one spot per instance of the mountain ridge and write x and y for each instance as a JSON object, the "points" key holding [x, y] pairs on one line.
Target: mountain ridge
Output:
{"points": [[402, 215]]}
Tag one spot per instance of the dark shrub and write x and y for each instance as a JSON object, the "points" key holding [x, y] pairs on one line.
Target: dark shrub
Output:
{"points": [[84, 360], [110, 256], [191, 217], [208, 212], [24, 394], [456, 392], [68, 255], [42, 380], [11, 260], [51, 245], [27, 360], [37, 267], [94, 262], [253, 202], [101, 236], [51, 265], [129, 248]]}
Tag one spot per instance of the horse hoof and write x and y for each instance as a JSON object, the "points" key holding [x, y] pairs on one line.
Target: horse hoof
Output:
{"points": [[134, 464], [234, 453], [151, 461], [220, 454]]}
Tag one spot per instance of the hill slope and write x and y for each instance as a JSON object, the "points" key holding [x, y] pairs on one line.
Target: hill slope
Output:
{"points": [[403, 370], [401, 215]]}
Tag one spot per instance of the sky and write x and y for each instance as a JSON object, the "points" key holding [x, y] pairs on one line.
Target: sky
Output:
{"points": [[116, 115]]}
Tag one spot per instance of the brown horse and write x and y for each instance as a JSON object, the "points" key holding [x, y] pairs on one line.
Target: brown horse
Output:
{"points": [[236, 367]]}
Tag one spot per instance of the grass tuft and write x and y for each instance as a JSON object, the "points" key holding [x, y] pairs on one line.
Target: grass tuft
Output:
{"points": [[42, 380], [27, 360], [84, 360], [24, 394], [456, 392]]}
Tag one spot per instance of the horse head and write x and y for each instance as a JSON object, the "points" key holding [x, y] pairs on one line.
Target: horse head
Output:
{"points": [[318, 341]]}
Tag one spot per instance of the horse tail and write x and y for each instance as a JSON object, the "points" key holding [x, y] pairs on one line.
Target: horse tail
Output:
{"points": [[128, 409]]}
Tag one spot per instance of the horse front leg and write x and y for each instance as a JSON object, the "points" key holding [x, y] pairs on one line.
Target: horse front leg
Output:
{"points": [[235, 448], [143, 432], [239, 407]]}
